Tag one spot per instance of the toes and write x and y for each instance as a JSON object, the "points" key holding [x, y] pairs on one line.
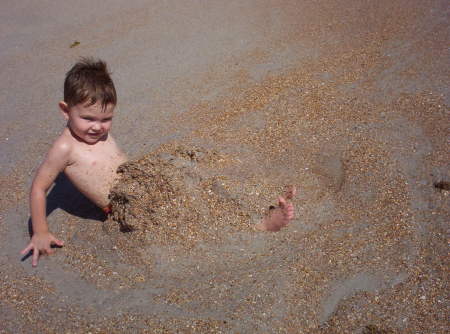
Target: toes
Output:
{"points": [[281, 202], [291, 191], [289, 212]]}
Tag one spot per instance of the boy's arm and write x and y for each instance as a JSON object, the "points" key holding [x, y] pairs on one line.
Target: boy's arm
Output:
{"points": [[54, 163]]}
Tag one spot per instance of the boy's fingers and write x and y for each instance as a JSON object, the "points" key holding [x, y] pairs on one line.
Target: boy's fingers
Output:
{"points": [[58, 242], [34, 262], [26, 249], [49, 251]]}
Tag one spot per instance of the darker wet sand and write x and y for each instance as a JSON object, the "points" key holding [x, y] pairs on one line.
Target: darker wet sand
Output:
{"points": [[357, 119]]}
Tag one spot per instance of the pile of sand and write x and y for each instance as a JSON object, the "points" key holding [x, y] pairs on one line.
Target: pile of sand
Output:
{"points": [[172, 197]]}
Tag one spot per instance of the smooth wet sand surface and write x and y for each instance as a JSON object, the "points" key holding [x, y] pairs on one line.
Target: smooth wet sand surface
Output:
{"points": [[346, 99]]}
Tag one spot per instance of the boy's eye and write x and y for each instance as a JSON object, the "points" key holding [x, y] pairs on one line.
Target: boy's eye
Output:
{"points": [[107, 119], [88, 118]]}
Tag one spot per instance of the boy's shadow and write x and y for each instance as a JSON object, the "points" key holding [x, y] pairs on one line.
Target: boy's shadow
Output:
{"points": [[65, 196]]}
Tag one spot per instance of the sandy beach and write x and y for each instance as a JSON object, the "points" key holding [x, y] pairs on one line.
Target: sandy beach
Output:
{"points": [[348, 100]]}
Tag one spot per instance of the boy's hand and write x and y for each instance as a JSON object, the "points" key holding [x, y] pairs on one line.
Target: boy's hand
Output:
{"points": [[41, 244]]}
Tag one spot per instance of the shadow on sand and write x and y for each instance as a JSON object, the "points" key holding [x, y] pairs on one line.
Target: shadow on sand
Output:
{"points": [[66, 197]]}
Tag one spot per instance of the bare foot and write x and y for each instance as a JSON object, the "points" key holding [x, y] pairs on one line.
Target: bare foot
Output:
{"points": [[279, 217]]}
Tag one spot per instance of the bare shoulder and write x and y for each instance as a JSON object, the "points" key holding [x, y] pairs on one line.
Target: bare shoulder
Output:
{"points": [[116, 149], [59, 154], [56, 160], [111, 139], [62, 146]]}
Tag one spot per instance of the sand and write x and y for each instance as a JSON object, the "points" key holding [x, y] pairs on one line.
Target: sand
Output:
{"points": [[350, 104], [177, 197]]}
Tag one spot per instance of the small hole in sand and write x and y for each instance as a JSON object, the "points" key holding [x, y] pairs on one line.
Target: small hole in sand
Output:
{"points": [[442, 185]]}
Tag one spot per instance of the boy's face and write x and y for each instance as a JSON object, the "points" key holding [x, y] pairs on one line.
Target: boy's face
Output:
{"points": [[89, 123]]}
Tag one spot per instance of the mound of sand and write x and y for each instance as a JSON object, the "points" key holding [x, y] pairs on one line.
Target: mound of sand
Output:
{"points": [[174, 197]]}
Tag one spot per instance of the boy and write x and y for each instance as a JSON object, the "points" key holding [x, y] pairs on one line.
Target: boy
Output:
{"points": [[87, 153]]}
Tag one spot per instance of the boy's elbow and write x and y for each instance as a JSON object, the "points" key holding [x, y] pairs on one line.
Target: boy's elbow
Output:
{"points": [[37, 190]]}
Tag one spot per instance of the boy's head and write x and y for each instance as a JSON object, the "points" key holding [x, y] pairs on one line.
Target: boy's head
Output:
{"points": [[88, 81], [89, 100]]}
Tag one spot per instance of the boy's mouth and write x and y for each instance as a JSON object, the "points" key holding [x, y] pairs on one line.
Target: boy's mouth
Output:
{"points": [[94, 136]]}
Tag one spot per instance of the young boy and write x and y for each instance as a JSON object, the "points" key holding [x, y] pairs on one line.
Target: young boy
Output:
{"points": [[89, 156]]}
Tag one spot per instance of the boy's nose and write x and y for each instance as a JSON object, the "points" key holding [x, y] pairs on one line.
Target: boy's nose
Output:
{"points": [[96, 126]]}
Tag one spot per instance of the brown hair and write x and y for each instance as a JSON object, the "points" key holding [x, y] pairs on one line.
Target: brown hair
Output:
{"points": [[89, 80]]}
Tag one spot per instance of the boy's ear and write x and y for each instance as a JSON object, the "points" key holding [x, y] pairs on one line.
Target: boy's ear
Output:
{"points": [[64, 109]]}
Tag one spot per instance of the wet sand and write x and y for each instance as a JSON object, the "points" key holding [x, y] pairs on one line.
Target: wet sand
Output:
{"points": [[346, 99]]}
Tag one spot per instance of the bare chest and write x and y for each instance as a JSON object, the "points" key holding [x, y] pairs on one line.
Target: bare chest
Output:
{"points": [[106, 156], [92, 169]]}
